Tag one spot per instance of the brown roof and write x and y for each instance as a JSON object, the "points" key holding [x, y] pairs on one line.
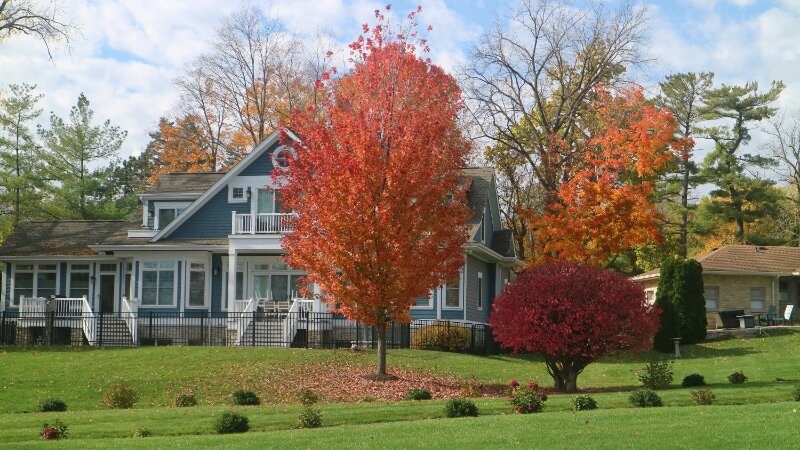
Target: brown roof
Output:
{"points": [[182, 182], [478, 193], [64, 237], [745, 259]]}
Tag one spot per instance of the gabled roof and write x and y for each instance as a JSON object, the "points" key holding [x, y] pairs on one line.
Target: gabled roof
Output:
{"points": [[746, 259], [64, 237], [479, 191], [220, 183], [184, 182], [503, 243]]}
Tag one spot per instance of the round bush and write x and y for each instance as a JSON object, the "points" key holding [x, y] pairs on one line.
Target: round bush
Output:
{"points": [[120, 396], [645, 398], [796, 393], [737, 378], [185, 399], [309, 418], [55, 431], [52, 404], [583, 403], [693, 380], [418, 394], [460, 407], [141, 432], [241, 397], [442, 336], [231, 422], [656, 374], [527, 400], [703, 397]]}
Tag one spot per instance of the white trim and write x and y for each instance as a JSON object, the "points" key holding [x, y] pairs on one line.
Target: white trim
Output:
{"points": [[222, 182], [35, 285], [88, 271], [461, 292], [279, 150], [142, 233], [231, 198], [157, 259], [479, 300], [95, 287], [171, 196], [424, 308], [206, 289], [59, 258]]}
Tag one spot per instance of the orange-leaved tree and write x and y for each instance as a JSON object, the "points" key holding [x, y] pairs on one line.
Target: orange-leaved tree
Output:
{"points": [[605, 207], [375, 181]]}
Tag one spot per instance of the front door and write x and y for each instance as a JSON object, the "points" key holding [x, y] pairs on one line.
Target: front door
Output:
{"points": [[105, 292]]}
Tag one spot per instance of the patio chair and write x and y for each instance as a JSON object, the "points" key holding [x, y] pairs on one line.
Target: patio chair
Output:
{"points": [[772, 311], [787, 315]]}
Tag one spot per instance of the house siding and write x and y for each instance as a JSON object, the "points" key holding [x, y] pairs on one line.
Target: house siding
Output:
{"points": [[471, 298], [261, 165], [212, 220], [734, 293]]}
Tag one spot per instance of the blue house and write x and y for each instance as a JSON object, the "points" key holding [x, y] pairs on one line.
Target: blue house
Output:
{"points": [[208, 246]]}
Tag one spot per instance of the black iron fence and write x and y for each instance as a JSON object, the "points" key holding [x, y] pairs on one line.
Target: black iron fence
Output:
{"points": [[256, 329]]}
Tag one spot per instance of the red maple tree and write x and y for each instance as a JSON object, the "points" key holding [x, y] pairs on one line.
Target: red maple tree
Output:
{"points": [[604, 207], [375, 181], [572, 314]]}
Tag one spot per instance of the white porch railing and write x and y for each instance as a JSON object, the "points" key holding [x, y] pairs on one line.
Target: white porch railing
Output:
{"points": [[262, 223], [244, 319], [69, 307], [130, 310], [290, 322], [89, 322], [32, 311]]}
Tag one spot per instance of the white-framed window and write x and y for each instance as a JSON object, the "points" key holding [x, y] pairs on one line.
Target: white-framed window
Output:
{"points": [[452, 293], [423, 302], [34, 280], [239, 292], [711, 295], [166, 212], [78, 280], [282, 156], [158, 283], [196, 285], [236, 194], [650, 296], [757, 299], [127, 278], [268, 201], [480, 290]]}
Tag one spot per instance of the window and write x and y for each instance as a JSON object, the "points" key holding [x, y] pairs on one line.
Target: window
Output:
{"points": [[480, 290], [197, 285], [78, 281], [783, 292], [711, 294], [158, 283], [452, 297], [650, 296], [46, 279], [166, 212], [236, 194], [282, 156], [128, 277], [422, 302], [23, 282], [757, 297]]}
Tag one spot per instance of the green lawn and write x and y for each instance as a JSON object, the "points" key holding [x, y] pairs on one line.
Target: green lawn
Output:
{"points": [[79, 377]]}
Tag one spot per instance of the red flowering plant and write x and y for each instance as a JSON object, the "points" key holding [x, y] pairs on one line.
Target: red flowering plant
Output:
{"points": [[526, 399]]}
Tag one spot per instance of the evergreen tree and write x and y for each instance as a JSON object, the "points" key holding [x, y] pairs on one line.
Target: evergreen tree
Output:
{"points": [[688, 300], [738, 198], [72, 148], [670, 326]]}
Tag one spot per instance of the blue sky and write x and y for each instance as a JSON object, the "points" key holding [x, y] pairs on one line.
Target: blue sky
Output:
{"points": [[130, 50]]}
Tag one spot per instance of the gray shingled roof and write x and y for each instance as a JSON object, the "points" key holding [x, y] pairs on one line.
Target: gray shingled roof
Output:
{"points": [[478, 193], [65, 237], [503, 243], [180, 182]]}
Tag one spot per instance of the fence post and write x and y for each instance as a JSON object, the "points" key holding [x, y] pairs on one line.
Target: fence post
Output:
{"points": [[472, 339], [150, 326], [308, 331], [100, 329]]}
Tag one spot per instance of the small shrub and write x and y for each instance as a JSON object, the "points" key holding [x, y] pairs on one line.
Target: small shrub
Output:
{"points": [[737, 378], [309, 418], [307, 397], [460, 407], [796, 393], [442, 336], [583, 403], [527, 400], [141, 432], [231, 422], [656, 374], [471, 388], [703, 397], [645, 398], [52, 404], [120, 396], [55, 431], [693, 380], [186, 399], [418, 394], [241, 397]]}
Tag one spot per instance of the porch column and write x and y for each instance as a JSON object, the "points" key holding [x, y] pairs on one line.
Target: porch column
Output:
{"points": [[231, 279]]}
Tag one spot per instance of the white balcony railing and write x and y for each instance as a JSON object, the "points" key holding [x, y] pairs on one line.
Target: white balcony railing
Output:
{"points": [[262, 223]]}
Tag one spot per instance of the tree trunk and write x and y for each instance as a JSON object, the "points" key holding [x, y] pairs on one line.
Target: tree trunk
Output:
{"points": [[684, 211], [381, 329], [565, 375]]}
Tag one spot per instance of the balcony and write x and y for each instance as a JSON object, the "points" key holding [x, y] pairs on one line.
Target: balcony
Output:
{"points": [[262, 223]]}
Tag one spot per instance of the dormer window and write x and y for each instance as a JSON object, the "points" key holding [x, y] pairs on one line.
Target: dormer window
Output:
{"points": [[166, 212]]}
